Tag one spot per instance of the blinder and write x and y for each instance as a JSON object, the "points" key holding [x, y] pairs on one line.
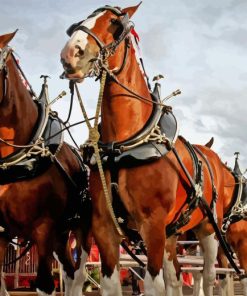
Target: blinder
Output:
{"points": [[72, 28]]}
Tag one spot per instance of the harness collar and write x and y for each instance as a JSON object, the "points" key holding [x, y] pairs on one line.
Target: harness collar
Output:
{"points": [[143, 135], [37, 144]]}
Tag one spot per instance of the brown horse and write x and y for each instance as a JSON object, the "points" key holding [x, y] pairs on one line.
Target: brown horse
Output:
{"points": [[154, 193], [34, 196], [236, 233]]}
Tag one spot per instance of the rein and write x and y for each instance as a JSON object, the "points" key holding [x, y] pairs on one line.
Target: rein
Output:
{"points": [[93, 140]]}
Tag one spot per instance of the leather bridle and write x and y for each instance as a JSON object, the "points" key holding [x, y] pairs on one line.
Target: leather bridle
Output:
{"points": [[107, 50], [4, 54]]}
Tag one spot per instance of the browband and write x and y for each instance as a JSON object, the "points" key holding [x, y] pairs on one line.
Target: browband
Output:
{"points": [[117, 11]]}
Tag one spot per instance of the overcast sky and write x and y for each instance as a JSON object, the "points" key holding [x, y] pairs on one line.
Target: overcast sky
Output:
{"points": [[200, 46]]}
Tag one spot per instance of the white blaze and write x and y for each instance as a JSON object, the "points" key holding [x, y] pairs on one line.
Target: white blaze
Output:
{"points": [[80, 37]]}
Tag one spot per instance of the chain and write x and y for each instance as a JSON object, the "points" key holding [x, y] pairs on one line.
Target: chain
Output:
{"points": [[93, 141]]}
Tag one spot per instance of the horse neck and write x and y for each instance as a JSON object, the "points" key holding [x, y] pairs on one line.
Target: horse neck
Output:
{"points": [[18, 112], [122, 114]]}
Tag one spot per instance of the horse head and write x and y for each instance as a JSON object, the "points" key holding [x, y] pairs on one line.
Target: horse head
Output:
{"points": [[15, 100], [100, 36], [103, 42]]}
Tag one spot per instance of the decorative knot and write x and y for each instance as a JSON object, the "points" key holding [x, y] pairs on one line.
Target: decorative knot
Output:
{"points": [[94, 135]]}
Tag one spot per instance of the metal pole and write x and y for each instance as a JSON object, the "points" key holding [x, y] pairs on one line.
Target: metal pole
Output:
{"points": [[17, 267], [61, 279]]}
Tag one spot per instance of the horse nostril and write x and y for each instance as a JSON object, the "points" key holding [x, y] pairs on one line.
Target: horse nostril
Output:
{"points": [[80, 51]]}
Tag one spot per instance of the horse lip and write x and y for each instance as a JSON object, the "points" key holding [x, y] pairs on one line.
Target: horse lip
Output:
{"points": [[63, 75], [74, 77]]}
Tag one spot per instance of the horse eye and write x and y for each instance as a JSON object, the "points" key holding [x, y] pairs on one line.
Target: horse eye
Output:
{"points": [[113, 21]]}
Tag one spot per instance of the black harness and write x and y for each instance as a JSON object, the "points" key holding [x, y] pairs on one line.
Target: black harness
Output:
{"points": [[238, 208], [147, 145]]}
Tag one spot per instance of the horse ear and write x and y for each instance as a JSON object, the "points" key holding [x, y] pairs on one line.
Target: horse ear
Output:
{"points": [[5, 39], [131, 10]]}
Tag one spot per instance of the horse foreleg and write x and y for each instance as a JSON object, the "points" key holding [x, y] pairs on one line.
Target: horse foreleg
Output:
{"points": [[153, 233], [61, 254], [73, 278], [3, 291], [44, 281], [225, 281], [80, 274], [240, 248], [172, 276], [74, 273], [210, 248], [43, 237], [106, 237], [197, 288], [3, 245], [108, 243]]}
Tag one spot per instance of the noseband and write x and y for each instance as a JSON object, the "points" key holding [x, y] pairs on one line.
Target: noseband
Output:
{"points": [[106, 50]]}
